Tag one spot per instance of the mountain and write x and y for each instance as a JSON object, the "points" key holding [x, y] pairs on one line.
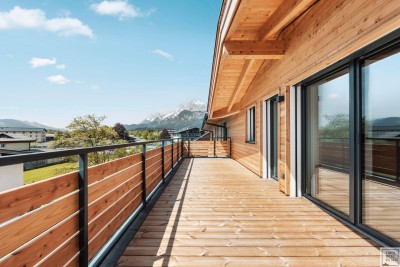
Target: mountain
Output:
{"points": [[184, 116], [24, 124], [386, 122]]}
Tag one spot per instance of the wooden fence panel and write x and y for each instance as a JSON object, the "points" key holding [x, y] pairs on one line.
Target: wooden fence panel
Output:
{"points": [[379, 159], [40, 221]]}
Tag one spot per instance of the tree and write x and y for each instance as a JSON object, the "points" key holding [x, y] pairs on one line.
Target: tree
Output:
{"points": [[337, 126], [165, 134], [121, 131], [88, 131]]}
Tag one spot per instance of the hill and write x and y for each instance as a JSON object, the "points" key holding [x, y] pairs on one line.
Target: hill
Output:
{"points": [[24, 124]]}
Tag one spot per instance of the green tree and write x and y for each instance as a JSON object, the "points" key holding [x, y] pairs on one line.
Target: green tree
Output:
{"points": [[165, 134], [88, 131], [121, 131], [337, 126]]}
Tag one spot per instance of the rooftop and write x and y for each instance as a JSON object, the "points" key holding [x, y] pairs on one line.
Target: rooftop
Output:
{"points": [[21, 129]]}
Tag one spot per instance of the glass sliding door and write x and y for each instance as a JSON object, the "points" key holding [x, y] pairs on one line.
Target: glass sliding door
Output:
{"points": [[272, 136], [350, 132], [274, 130], [381, 143], [327, 141]]}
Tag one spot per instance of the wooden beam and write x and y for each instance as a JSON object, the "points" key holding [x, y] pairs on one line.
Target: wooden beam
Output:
{"points": [[285, 14], [239, 85], [223, 112], [255, 49]]}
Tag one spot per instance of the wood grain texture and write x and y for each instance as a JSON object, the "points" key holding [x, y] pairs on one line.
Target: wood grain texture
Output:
{"points": [[321, 36], [24, 199], [215, 212], [23, 229]]}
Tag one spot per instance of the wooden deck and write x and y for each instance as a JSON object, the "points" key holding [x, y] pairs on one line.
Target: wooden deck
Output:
{"points": [[215, 212]]}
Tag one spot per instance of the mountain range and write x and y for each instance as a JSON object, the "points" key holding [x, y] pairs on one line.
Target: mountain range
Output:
{"points": [[24, 124], [184, 116]]}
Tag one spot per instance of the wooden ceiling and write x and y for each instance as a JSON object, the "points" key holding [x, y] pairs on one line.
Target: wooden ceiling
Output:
{"points": [[248, 34]]}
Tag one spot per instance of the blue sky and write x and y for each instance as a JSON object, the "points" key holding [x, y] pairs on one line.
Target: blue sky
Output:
{"points": [[122, 59]]}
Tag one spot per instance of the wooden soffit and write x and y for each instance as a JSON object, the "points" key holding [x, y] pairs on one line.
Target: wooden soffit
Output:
{"points": [[245, 40]]}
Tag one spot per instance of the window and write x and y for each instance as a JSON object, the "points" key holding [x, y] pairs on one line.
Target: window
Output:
{"points": [[380, 143], [351, 139], [327, 126], [251, 125], [2, 145]]}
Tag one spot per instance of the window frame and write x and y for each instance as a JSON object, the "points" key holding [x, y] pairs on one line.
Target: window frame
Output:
{"points": [[251, 125], [354, 62]]}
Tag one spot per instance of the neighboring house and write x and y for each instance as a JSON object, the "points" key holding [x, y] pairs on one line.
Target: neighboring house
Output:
{"points": [[15, 142], [50, 137], [39, 134], [293, 81], [191, 133], [11, 176], [174, 133]]}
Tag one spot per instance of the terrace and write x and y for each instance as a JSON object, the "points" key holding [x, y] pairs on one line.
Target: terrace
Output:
{"points": [[179, 204], [329, 195]]}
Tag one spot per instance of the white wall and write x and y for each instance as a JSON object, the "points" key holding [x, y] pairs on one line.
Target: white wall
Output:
{"points": [[39, 136], [11, 176], [17, 146]]}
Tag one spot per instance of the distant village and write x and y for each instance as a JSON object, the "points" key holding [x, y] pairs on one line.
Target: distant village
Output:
{"points": [[20, 140]]}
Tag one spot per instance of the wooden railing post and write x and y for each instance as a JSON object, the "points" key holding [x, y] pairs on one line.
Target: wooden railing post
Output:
{"points": [[83, 210], [162, 162], [144, 194], [172, 155]]}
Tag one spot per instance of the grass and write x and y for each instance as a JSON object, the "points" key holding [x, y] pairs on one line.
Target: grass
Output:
{"points": [[47, 172]]}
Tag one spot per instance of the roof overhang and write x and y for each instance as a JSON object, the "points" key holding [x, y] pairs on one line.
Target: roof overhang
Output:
{"points": [[248, 36]]}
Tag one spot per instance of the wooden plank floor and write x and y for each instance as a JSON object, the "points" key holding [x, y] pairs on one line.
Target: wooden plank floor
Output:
{"points": [[215, 212]]}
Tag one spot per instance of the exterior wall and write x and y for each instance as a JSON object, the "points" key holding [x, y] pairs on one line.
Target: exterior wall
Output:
{"points": [[16, 146], [11, 176], [328, 32], [39, 136], [249, 155]]}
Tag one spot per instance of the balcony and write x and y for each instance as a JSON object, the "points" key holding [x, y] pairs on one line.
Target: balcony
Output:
{"points": [[184, 203], [215, 212]]}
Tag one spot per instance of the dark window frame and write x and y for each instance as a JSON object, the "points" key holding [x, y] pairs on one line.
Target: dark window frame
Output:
{"points": [[251, 125], [354, 62]]}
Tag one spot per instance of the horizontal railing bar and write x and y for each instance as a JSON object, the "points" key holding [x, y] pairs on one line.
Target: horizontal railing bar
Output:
{"points": [[17, 159]]}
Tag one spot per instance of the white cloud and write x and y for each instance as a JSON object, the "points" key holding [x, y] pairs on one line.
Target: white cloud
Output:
{"points": [[61, 67], [35, 19], [118, 8], [37, 62], [163, 54], [58, 79], [95, 87]]}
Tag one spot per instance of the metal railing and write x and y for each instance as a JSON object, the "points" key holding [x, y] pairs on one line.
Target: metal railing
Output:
{"points": [[82, 154]]}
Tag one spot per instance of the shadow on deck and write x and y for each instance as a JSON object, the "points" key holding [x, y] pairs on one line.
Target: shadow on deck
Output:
{"points": [[215, 212]]}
